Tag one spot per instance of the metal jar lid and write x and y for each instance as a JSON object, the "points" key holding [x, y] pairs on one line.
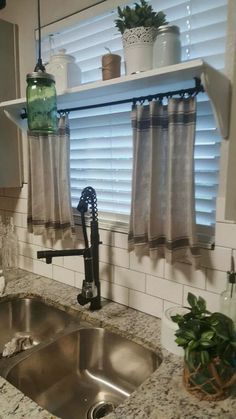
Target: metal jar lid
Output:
{"points": [[40, 75], [168, 28]]}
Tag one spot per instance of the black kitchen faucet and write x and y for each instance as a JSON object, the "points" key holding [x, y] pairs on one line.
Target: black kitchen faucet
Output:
{"points": [[91, 285]]}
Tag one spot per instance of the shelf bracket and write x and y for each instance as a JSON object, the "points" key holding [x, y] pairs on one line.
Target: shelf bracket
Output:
{"points": [[218, 89]]}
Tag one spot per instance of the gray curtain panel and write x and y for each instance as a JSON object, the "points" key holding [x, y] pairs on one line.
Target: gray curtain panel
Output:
{"points": [[49, 200], [162, 219]]}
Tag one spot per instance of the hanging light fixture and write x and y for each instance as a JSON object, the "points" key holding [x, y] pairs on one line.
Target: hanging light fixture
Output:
{"points": [[41, 95]]}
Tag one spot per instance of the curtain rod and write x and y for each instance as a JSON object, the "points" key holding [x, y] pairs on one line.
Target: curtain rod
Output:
{"points": [[191, 91]]}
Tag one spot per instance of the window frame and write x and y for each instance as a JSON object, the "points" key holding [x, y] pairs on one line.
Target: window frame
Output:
{"points": [[105, 220]]}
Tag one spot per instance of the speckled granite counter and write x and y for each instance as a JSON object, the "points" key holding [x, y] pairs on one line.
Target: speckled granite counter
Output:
{"points": [[161, 396]]}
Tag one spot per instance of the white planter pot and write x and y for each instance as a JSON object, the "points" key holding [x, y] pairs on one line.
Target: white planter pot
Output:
{"points": [[138, 49]]}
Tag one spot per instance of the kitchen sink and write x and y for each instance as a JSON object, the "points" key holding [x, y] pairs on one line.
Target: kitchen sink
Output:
{"points": [[83, 374], [30, 317]]}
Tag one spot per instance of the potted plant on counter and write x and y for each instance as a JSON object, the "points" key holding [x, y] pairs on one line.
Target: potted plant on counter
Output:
{"points": [[209, 342], [138, 26]]}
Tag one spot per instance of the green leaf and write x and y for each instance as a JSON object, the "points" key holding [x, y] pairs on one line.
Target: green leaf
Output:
{"points": [[120, 13], [181, 341], [190, 334], [201, 303], [193, 344], [207, 335], [206, 343], [192, 300], [205, 358], [140, 15], [177, 318]]}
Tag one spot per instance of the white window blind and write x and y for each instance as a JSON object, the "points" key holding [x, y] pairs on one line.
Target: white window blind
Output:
{"points": [[101, 139]]}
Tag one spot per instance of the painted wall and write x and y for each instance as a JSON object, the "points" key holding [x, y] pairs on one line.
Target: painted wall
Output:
{"points": [[141, 284]]}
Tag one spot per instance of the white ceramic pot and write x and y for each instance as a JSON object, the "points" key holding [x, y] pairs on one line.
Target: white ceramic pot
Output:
{"points": [[138, 49], [168, 329]]}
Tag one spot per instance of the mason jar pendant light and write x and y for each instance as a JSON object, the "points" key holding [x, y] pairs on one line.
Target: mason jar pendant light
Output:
{"points": [[41, 95]]}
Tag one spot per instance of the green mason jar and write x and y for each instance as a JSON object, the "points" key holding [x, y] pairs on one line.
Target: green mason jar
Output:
{"points": [[41, 102]]}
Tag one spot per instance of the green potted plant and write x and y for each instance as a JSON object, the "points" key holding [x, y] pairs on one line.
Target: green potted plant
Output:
{"points": [[209, 343], [138, 26]]}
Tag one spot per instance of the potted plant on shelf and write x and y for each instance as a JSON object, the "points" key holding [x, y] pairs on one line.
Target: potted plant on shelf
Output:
{"points": [[138, 26], [209, 342]]}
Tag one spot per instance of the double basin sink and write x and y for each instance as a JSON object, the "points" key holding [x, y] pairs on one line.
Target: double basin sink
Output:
{"points": [[74, 370]]}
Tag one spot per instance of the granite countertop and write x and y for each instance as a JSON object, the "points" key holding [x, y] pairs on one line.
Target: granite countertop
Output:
{"points": [[161, 396]]}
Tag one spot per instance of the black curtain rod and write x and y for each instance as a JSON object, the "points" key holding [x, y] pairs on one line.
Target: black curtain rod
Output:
{"points": [[192, 91]]}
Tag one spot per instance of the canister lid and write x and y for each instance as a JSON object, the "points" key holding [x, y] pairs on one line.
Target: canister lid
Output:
{"points": [[61, 55], [168, 28], [40, 75]]}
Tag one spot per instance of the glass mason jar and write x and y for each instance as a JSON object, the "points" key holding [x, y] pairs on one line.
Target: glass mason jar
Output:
{"points": [[167, 47], [41, 102]]}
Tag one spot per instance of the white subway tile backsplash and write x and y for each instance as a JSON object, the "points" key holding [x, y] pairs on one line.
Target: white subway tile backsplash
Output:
{"points": [[23, 235], [186, 274], [26, 249], [79, 277], [42, 241], [130, 279], [75, 263], [219, 258], [106, 272], [26, 263], [169, 304], [114, 256], [115, 292], [42, 268], [120, 257], [59, 261], [120, 240], [17, 218], [63, 275], [105, 253], [105, 237], [24, 220], [162, 288], [144, 284], [211, 298], [147, 265], [216, 281], [146, 303], [20, 205]]}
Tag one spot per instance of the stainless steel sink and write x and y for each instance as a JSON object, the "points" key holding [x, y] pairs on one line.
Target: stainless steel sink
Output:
{"points": [[22, 317], [84, 374]]}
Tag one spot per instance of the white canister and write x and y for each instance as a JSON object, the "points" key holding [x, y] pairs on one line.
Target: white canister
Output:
{"points": [[167, 47], [65, 70], [168, 329]]}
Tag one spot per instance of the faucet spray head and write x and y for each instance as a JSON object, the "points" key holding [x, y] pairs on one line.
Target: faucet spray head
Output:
{"points": [[89, 290]]}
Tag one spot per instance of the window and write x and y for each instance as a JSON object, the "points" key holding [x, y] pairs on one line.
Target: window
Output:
{"points": [[101, 139]]}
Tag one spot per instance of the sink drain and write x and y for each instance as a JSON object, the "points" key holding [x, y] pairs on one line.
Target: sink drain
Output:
{"points": [[100, 410]]}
